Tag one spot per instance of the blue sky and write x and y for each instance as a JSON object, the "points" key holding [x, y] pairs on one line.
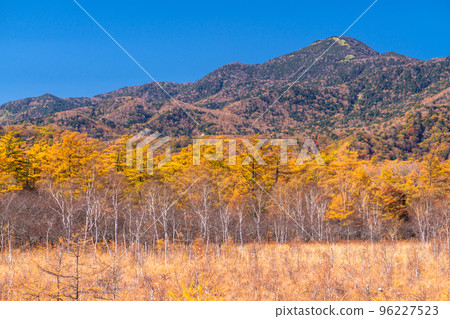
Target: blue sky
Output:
{"points": [[53, 47]]}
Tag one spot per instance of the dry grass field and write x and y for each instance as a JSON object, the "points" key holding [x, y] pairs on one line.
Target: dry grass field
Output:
{"points": [[389, 270]]}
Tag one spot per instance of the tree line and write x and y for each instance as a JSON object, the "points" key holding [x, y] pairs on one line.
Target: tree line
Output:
{"points": [[58, 185]]}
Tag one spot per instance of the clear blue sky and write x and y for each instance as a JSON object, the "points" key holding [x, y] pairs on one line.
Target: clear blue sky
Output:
{"points": [[53, 47]]}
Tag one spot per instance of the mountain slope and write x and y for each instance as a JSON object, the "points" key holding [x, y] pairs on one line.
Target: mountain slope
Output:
{"points": [[351, 87]]}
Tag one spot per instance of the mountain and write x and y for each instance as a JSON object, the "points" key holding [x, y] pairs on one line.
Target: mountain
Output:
{"points": [[350, 88]]}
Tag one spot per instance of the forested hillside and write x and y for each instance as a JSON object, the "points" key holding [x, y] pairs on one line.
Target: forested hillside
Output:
{"points": [[352, 88]]}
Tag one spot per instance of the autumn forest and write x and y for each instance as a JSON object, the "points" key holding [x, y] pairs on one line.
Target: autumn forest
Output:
{"points": [[77, 223]]}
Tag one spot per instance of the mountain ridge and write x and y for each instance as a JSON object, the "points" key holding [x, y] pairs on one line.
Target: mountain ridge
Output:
{"points": [[352, 86]]}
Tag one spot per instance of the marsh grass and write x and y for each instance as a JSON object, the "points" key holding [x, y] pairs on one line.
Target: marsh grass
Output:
{"points": [[388, 270]]}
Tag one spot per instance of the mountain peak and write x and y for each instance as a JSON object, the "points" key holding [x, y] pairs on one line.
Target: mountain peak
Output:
{"points": [[357, 48], [333, 38], [48, 96]]}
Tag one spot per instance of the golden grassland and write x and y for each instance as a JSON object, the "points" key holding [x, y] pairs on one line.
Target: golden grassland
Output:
{"points": [[388, 270]]}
